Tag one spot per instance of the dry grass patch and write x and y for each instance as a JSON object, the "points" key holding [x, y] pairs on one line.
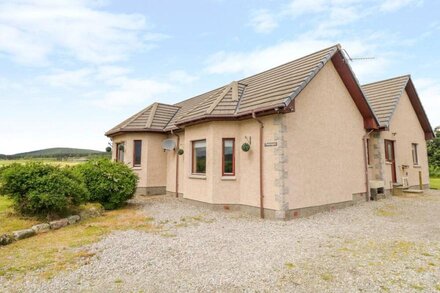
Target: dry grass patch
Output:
{"points": [[47, 254], [387, 211], [11, 221], [328, 277]]}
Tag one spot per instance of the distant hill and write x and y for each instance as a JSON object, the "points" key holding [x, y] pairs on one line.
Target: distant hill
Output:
{"points": [[56, 153]]}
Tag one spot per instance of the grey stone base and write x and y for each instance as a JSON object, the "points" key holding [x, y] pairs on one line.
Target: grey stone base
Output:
{"points": [[309, 211], [359, 197], [151, 190], [250, 210], [279, 215], [173, 194]]}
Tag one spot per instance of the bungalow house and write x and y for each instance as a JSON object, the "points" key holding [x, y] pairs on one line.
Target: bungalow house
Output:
{"points": [[291, 141], [397, 152]]}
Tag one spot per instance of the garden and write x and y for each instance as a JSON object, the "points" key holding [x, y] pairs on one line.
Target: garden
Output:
{"points": [[35, 192]]}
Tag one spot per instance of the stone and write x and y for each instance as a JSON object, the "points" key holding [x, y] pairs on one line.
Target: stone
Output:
{"points": [[6, 239], [41, 228], [91, 210], [59, 224], [73, 219], [280, 215], [22, 234]]}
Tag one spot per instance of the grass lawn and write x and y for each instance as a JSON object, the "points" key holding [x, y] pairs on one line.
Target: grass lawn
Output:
{"points": [[9, 220], [434, 183], [62, 249]]}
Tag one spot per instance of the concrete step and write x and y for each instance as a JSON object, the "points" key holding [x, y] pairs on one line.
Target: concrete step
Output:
{"points": [[398, 189], [413, 191]]}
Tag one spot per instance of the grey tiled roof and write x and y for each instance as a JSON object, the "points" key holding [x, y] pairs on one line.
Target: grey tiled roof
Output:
{"points": [[270, 89], [384, 95]]}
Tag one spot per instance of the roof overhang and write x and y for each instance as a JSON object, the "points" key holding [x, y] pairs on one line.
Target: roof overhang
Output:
{"points": [[351, 83], [119, 131], [418, 108]]}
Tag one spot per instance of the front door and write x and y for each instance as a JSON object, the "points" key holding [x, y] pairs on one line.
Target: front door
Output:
{"points": [[390, 157]]}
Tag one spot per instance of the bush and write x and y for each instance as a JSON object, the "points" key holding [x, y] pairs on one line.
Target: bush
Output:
{"points": [[434, 171], [42, 189], [109, 183]]}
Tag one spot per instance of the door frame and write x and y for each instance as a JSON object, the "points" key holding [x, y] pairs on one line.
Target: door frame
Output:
{"points": [[391, 158]]}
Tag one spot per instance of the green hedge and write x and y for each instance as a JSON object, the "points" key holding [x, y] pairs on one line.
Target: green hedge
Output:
{"points": [[42, 189], [109, 183], [39, 189]]}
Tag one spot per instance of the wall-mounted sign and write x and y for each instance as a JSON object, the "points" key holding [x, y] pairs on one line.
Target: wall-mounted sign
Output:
{"points": [[270, 144]]}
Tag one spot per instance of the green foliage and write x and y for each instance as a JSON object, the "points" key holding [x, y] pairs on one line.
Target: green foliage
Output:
{"points": [[245, 147], [109, 183], [42, 189], [434, 171], [434, 152]]}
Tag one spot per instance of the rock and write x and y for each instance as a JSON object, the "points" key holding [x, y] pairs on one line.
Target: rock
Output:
{"points": [[6, 239], [91, 210], [59, 224], [73, 219], [22, 234], [41, 228]]}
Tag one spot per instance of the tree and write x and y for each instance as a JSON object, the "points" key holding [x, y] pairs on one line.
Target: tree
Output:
{"points": [[434, 149]]}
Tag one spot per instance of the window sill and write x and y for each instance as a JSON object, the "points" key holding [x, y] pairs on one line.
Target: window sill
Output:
{"points": [[388, 163], [137, 168], [229, 178], [197, 176], [417, 166], [370, 166]]}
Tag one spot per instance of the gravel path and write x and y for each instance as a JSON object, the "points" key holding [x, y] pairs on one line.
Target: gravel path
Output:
{"points": [[391, 245]]}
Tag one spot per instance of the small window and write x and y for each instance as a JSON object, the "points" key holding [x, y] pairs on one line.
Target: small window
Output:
{"points": [[199, 157], [414, 154], [120, 149], [228, 161], [137, 153], [389, 151]]}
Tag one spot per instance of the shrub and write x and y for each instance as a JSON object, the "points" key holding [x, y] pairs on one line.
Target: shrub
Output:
{"points": [[42, 189], [434, 171], [109, 183]]}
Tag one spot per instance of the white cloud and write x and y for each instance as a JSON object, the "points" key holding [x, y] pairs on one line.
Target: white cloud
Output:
{"points": [[110, 72], [132, 92], [247, 63], [429, 93], [301, 7], [181, 76], [64, 78], [393, 5], [263, 21], [33, 30]]}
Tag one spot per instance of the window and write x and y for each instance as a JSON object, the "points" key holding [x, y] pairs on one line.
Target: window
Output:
{"points": [[199, 157], [389, 151], [120, 152], [228, 159], [414, 154], [368, 151], [137, 153]]}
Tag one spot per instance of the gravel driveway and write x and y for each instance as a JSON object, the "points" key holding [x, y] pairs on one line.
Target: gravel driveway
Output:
{"points": [[391, 245]]}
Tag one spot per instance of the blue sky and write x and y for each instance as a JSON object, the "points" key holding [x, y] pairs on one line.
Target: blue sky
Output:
{"points": [[72, 69]]}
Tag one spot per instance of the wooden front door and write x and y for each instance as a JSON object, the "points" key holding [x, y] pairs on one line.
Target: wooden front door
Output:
{"points": [[390, 157]]}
